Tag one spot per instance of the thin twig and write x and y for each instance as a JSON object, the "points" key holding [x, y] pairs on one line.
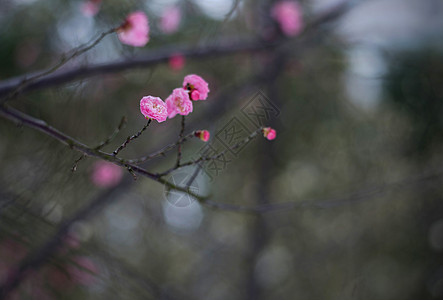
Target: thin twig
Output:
{"points": [[131, 138], [102, 144], [113, 135], [194, 176], [76, 162], [37, 258], [27, 81], [162, 151], [132, 172], [219, 48], [213, 157], [179, 146], [365, 194]]}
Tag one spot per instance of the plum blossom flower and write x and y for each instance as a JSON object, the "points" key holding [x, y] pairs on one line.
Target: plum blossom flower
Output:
{"points": [[289, 16], [269, 133], [176, 62], [106, 174], [197, 87], [153, 108], [170, 20], [135, 30], [204, 135], [90, 8], [178, 103]]}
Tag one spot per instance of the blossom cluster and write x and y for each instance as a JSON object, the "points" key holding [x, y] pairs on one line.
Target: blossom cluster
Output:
{"points": [[179, 102]]}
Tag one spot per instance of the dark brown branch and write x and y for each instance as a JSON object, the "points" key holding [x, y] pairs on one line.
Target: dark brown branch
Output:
{"points": [[213, 157], [21, 118], [222, 47], [131, 138], [366, 194], [154, 57], [162, 151], [179, 146], [113, 135], [27, 81]]}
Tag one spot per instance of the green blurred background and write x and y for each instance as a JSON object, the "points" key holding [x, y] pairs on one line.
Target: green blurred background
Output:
{"points": [[356, 164]]}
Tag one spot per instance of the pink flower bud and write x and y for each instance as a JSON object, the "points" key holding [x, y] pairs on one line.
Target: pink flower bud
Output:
{"points": [[178, 103], [269, 133], [135, 30], [289, 16], [106, 174], [197, 87], [204, 135], [195, 95], [153, 108]]}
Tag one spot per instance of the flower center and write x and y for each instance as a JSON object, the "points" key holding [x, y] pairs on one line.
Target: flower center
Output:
{"points": [[190, 87], [179, 105]]}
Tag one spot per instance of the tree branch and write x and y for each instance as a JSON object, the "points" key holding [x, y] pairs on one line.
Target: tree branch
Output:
{"points": [[21, 118], [161, 55], [38, 258], [154, 57]]}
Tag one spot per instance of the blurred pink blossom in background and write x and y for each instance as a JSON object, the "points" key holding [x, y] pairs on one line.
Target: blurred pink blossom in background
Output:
{"points": [[288, 14], [83, 271], [177, 62], [179, 103], [153, 108], [106, 174], [91, 7], [135, 30], [170, 20], [197, 87]]}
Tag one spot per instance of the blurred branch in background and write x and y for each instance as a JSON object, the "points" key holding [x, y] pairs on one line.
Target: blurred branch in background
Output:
{"points": [[50, 77], [36, 259]]}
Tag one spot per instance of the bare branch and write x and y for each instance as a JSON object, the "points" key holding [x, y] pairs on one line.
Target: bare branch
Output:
{"points": [[131, 138], [162, 55], [179, 146], [27, 81], [38, 258], [162, 151], [113, 135], [154, 57], [21, 118]]}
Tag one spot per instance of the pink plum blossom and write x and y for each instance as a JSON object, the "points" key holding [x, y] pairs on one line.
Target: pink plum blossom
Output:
{"points": [[153, 108], [135, 30], [179, 103], [106, 174], [269, 133], [177, 62], [289, 16], [204, 135], [90, 8], [197, 87], [170, 20]]}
